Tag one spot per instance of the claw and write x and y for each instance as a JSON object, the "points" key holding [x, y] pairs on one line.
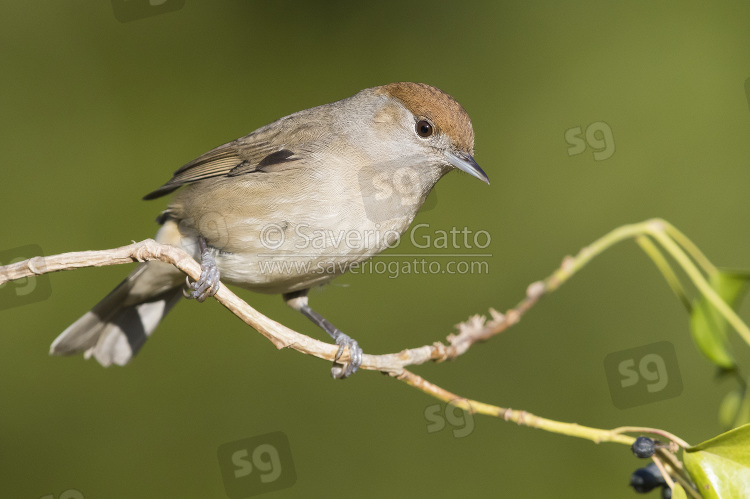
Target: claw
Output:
{"points": [[208, 284], [355, 357], [188, 284]]}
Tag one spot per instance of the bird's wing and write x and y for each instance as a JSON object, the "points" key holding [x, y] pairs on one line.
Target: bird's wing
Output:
{"points": [[242, 156]]}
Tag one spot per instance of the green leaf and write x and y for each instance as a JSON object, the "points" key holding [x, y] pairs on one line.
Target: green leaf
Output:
{"points": [[734, 410], [743, 417], [708, 326], [720, 467], [678, 492], [729, 408]]}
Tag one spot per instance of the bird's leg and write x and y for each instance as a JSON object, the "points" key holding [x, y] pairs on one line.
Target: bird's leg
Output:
{"points": [[298, 301], [209, 283]]}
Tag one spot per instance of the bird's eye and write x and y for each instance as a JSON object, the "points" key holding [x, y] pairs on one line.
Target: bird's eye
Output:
{"points": [[424, 128]]}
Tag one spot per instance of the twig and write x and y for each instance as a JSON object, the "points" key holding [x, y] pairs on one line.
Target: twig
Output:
{"points": [[280, 335], [521, 418], [476, 329], [652, 431]]}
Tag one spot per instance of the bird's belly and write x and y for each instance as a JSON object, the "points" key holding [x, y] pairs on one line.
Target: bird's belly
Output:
{"points": [[285, 257]]}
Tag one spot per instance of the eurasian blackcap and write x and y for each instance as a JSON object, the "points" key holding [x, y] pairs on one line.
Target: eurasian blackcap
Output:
{"points": [[289, 207]]}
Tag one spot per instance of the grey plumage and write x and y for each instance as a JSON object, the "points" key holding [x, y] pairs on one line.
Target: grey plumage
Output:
{"points": [[360, 167]]}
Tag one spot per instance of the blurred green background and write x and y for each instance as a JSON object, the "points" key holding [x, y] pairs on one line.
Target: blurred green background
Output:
{"points": [[95, 113]]}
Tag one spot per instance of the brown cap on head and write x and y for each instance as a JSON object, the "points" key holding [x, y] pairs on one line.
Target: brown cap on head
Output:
{"points": [[445, 113]]}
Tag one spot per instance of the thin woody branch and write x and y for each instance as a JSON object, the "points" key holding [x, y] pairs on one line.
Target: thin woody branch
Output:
{"points": [[521, 418], [280, 335], [476, 329]]}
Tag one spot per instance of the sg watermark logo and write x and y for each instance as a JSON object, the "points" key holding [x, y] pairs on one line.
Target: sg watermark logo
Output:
{"points": [[461, 422], [392, 190], [29, 289], [132, 10], [643, 375], [256, 465], [66, 494], [598, 136]]}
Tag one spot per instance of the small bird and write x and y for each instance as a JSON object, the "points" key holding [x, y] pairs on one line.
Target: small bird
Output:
{"points": [[288, 208]]}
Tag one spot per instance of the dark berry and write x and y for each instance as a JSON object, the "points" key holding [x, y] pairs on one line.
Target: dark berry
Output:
{"points": [[643, 447], [644, 480]]}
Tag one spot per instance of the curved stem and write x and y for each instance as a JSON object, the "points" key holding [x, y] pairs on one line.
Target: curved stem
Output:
{"points": [[522, 418], [689, 246], [666, 270], [700, 282], [653, 431]]}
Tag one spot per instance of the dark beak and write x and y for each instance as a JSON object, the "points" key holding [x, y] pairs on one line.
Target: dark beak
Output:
{"points": [[464, 162]]}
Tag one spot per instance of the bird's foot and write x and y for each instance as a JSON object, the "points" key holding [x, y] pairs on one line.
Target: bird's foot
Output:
{"points": [[339, 371], [208, 284]]}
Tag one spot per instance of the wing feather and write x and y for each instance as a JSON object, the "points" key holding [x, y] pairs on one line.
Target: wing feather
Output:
{"points": [[230, 159], [261, 151]]}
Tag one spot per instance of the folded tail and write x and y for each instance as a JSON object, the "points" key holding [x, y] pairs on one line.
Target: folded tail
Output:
{"points": [[118, 326]]}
